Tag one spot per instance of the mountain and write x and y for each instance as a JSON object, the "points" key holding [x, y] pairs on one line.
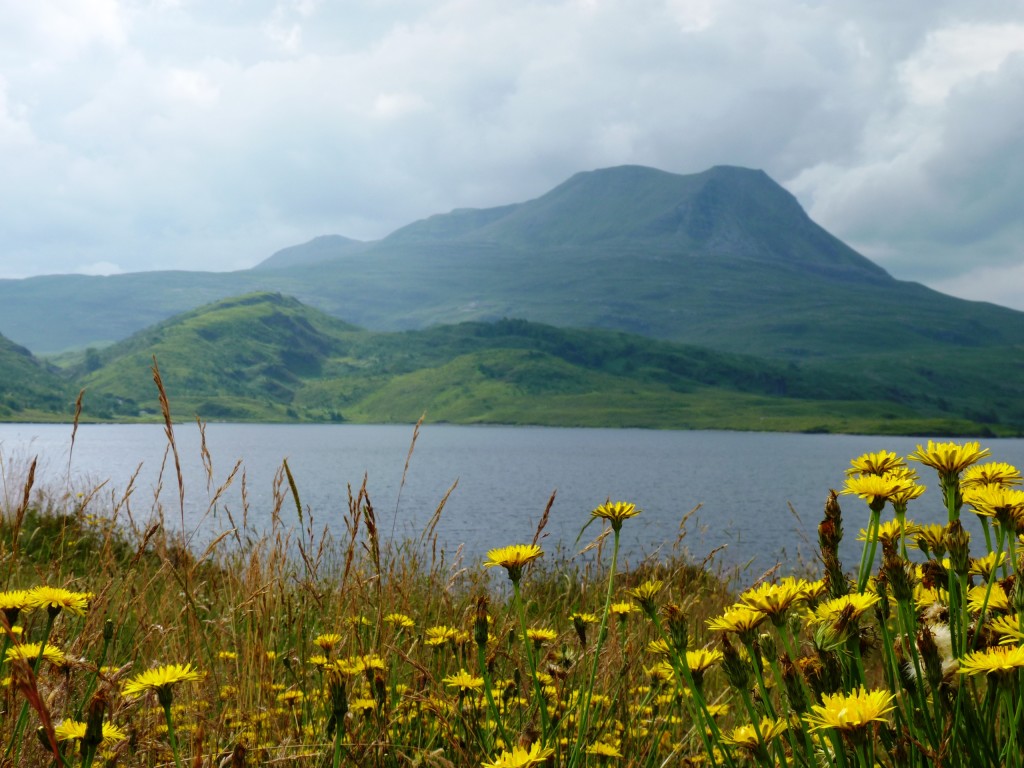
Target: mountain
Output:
{"points": [[725, 258], [318, 249], [268, 357]]}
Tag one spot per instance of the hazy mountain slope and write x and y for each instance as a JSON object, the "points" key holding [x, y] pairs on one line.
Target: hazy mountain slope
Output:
{"points": [[725, 258], [318, 249]]}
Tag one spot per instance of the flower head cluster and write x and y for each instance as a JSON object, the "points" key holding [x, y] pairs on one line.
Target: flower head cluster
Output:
{"points": [[949, 459], [73, 729], [55, 599], [464, 681], [739, 619], [29, 652], [1000, 502], [615, 512], [852, 712], [996, 660], [880, 463], [774, 599], [518, 757], [748, 738], [990, 473], [878, 489], [513, 558], [161, 680]]}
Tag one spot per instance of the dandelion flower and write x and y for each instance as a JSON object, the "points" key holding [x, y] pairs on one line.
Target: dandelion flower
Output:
{"points": [[994, 660], [774, 599], [541, 635], [601, 749], [73, 729], [161, 680], [746, 736], [990, 473], [702, 659], [518, 757], [1004, 504], [738, 619], [877, 489], [513, 558], [993, 600], [327, 641], [400, 620], [622, 610], [464, 681], [55, 599], [852, 712], [615, 512], [986, 565], [13, 602], [889, 532], [848, 607], [879, 463], [29, 652], [1008, 628], [644, 593], [439, 635], [949, 459]]}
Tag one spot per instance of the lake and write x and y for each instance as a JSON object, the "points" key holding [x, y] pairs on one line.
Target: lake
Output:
{"points": [[760, 494]]}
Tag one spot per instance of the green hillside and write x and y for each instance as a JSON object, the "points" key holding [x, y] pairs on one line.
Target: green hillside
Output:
{"points": [[30, 389], [268, 357]]}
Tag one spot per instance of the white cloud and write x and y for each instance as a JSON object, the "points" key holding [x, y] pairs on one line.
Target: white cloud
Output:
{"points": [[183, 134], [100, 268]]}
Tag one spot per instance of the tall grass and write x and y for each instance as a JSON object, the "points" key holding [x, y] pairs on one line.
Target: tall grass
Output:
{"points": [[316, 650]]}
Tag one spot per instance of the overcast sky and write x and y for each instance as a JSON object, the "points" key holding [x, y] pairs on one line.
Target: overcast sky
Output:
{"points": [[206, 134]]}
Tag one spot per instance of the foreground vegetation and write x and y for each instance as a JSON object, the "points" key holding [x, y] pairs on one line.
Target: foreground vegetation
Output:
{"points": [[124, 645]]}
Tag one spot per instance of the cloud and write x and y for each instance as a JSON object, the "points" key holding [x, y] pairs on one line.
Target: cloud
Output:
{"points": [[100, 268], [177, 134]]}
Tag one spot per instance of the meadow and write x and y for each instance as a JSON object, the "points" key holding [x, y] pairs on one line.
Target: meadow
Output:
{"points": [[288, 646]]}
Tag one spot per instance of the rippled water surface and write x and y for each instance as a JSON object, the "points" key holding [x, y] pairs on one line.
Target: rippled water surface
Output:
{"points": [[760, 494]]}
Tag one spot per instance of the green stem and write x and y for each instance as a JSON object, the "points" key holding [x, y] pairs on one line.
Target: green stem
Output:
{"points": [[867, 555], [172, 738], [584, 718], [489, 695], [538, 692]]}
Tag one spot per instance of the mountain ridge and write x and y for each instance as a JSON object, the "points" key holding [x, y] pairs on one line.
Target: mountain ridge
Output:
{"points": [[725, 258]]}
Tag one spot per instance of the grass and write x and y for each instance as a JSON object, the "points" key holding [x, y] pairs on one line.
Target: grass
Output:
{"points": [[288, 646]]}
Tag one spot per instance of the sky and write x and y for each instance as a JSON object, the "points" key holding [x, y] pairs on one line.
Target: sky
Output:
{"points": [[206, 134]]}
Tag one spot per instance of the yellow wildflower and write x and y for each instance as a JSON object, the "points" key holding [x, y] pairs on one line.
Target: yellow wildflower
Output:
{"points": [[990, 473], [161, 679], [949, 459], [746, 736], [57, 599], [615, 512], [73, 729], [995, 660], [853, 711], [518, 757], [513, 558]]}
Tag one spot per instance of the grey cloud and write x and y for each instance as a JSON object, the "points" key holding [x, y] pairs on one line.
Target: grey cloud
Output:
{"points": [[207, 135]]}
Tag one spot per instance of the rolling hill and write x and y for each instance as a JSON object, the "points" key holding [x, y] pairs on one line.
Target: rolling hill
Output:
{"points": [[29, 387], [268, 357]]}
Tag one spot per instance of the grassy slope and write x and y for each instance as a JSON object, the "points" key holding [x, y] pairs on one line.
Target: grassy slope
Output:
{"points": [[29, 389], [268, 357]]}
